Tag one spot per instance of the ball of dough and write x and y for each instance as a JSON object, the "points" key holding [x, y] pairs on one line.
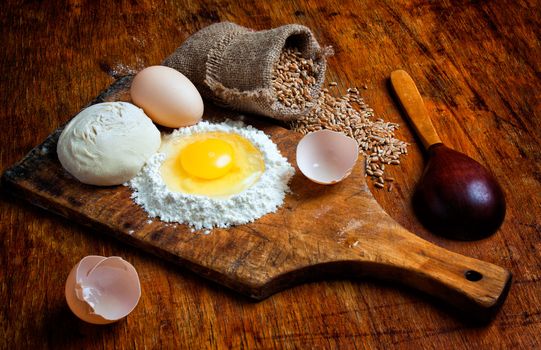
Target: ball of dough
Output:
{"points": [[107, 143]]}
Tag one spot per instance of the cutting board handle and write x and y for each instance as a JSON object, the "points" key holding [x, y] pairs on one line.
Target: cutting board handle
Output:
{"points": [[476, 287]]}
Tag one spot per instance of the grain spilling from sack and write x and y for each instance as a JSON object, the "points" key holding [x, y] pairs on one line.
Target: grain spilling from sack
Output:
{"points": [[377, 142]]}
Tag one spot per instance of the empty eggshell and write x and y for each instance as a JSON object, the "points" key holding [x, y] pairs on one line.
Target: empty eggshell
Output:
{"points": [[102, 290], [167, 97], [327, 157]]}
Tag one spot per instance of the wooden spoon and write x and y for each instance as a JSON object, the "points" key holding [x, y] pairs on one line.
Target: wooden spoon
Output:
{"points": [[456, 196]]}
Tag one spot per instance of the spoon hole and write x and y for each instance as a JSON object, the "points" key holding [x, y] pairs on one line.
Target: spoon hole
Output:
{"points": [[473, 276]]}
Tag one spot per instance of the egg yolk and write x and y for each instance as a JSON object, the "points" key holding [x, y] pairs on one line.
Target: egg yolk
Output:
{"points": [[207, 159], [212, 164]]}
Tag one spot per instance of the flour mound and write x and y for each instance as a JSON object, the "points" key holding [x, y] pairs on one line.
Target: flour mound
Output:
{"points": [[201, 212]]}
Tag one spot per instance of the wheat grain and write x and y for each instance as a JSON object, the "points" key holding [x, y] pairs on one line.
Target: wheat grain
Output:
{"points": [[293, 79]]}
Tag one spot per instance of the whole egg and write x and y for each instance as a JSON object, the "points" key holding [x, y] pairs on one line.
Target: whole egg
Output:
{"points": [[167, 97]]}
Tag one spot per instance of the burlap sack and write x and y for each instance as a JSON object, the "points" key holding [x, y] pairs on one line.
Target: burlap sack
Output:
{"points": [[232, 65]]}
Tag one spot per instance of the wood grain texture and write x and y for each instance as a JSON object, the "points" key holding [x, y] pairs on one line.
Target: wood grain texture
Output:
{"points": [[477, 67], [319, 231]]}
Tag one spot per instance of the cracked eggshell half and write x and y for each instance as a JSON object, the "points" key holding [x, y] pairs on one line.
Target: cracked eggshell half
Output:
{"points": [[102, 290], [327, 157]]}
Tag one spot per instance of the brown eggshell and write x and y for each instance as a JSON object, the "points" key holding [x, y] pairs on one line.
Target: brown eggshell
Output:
{"points": [[102, 290]]}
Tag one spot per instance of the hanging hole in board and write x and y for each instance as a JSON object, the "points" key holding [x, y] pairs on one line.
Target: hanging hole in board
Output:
{"points": [[472, 275]]}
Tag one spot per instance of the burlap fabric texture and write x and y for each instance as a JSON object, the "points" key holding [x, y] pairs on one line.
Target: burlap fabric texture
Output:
{"points": [[232, 65]]}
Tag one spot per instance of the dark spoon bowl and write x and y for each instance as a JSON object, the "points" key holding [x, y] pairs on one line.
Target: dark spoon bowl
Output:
{"points": [[457, 197]]}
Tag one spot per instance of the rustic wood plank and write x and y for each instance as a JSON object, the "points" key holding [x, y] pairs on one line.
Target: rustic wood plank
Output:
{"points": [[477, 66]]}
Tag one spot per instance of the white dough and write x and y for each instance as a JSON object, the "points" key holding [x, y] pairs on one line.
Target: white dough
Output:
{"points": [[107, 143]]}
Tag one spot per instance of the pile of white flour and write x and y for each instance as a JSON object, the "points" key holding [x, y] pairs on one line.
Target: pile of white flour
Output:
{"points": [[201, 212]]}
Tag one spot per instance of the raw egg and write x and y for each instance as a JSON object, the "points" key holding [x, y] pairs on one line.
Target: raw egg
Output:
{"points": [[213, 164], [207, 159], [102, 290], [327, 157], [167, 97]]}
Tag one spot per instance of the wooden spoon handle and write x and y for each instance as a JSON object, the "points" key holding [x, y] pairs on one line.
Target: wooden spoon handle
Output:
{"points": [[476, 287], [412, 102]]}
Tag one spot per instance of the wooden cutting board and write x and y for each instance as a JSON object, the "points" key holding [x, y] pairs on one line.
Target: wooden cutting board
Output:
{"points": [[319, 232]]}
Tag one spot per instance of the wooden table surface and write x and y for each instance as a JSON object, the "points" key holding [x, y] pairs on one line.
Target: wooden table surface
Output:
{"points": [[477, 64]]}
